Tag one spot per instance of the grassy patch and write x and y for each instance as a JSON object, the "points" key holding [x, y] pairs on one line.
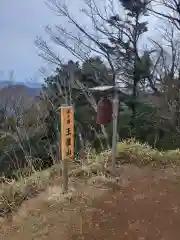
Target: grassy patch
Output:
{"points": [[15, 192], [134, 152]]}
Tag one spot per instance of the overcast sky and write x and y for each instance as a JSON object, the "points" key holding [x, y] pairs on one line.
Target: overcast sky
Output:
{"points": [[20, 22]]}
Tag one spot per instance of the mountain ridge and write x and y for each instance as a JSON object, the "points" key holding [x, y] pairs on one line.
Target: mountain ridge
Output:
{"points": [[18, 93], [18, 83]]}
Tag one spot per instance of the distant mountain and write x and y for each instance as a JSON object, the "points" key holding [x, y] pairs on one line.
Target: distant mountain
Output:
{"points": [[17, 93], [26, 84], [4, 84], [32, 87]]}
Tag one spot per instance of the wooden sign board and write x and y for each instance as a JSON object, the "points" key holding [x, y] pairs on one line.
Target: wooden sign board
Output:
{"points": [[67, 132]]}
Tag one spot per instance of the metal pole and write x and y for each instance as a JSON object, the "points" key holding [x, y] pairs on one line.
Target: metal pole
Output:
{"points": [[115, 124]]}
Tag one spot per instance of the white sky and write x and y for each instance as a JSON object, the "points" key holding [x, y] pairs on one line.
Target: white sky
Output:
{"points": [[20, 22]]}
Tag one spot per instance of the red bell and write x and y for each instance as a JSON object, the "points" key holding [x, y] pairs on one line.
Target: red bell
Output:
{"points": [[104, 111]]}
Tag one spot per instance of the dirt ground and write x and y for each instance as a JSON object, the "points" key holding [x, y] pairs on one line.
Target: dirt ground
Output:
{"points": [[145, 206]]}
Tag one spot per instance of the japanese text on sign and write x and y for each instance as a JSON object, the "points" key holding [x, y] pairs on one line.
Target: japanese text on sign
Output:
{"points": [[67, 132]]}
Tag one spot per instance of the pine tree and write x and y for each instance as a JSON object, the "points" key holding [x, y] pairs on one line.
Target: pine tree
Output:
{"points": [[135, 66]]}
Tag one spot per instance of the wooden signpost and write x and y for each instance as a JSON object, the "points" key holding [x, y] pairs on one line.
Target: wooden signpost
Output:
{"points": [[67, 132], [66, 140]]}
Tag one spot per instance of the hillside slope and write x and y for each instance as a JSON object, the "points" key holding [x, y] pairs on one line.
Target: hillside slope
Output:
{"points": [[144, 206]]}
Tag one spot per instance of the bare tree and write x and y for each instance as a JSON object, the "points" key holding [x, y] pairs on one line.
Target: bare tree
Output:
{"points": [[167, 73], [168, 10], [114, 35]]}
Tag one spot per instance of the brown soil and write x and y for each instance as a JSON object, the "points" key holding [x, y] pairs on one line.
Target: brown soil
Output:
{"points": [[147, 206]]}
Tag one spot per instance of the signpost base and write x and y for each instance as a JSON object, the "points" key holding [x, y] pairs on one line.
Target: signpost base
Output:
{"points": [[65, 175]]}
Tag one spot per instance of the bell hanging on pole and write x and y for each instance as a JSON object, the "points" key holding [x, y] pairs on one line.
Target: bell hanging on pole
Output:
{"points": [[104, 111]]}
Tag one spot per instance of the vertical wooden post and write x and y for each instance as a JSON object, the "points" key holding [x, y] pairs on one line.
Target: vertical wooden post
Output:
{"points": [[115, 124], [66, 141]]}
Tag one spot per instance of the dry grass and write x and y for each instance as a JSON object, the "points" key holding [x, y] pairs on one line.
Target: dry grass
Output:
{"points": [[14, 193], [134, 152]]}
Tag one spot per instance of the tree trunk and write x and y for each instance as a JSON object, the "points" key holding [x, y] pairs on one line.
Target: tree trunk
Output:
{"points": [[133, 105]]}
